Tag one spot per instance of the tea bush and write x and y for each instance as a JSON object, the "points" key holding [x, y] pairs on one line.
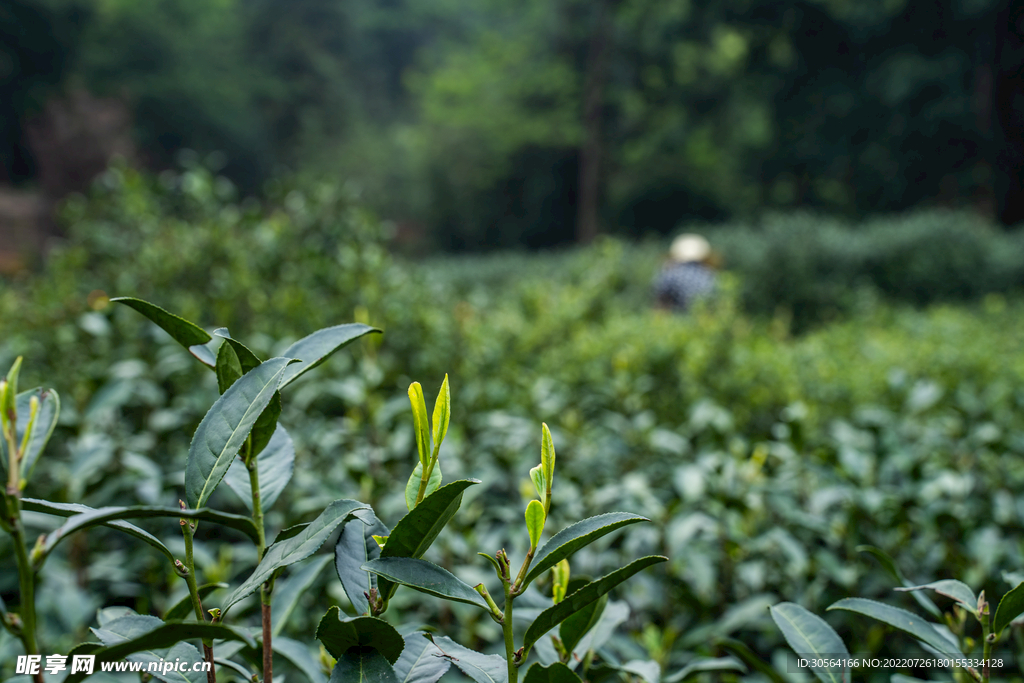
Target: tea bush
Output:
{"points": [[765, 459]]}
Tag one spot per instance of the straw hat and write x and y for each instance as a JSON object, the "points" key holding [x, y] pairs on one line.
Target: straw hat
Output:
{"points": [[689, 248]]}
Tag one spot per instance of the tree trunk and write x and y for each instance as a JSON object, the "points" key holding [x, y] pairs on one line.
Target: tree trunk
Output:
{"points": [[588, 224], [1009, 112]]}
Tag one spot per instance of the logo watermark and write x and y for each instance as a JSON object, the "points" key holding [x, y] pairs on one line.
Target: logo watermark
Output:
{"points": [[55, 664]]}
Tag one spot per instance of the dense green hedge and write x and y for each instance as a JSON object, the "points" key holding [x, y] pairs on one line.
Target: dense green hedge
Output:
{"points": [[765, 459]]}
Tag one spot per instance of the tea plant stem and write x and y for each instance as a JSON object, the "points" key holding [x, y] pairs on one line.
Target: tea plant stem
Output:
{"points": [[257, 518], [987, 647], [506, 627], [26, 584], [193, 588], [426, 478]]}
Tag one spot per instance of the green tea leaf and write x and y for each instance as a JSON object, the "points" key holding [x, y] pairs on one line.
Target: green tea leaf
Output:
{"points": [[547, 455], [572, 630], [287, 593], [419, 421], [181, 610], [247, 359], [298, 547], [362, 665], [701, 664], [579, 599], [893, 569], [1010, 607], [905, 621], [228, 369], [421, 661], [355, 547], [161, 637], [573, 537], [535, 519], [412, 487], [810, 636], [338, 635], [951, 588], [442, 413], [41, 428], [319, 346], [481, 668], [426, 577], [537, 477], [225, 428], [417, 530], [186, 333], [274, 466], [299, 656], [555, 673], [747, 655]]}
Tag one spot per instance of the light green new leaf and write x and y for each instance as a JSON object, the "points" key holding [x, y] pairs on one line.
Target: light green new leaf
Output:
{"points": [[811, 637], [537, 477], [412, 487], [298, 547], [951, 588], [364, 665], [421, 661], [573, 537], [162, 637], [287, 593], [417, 530], [419, 421], [186, 333], [1010, 607], [274, 466], [894, 571], [426, 577], [481, 668], [314, 349], [535, 519], [183, 608], [442, 413], [902, 619], [556, 673], [579, 599], [225, 428], [338, 635], [40, 430], [547, 455], [356, 545]]}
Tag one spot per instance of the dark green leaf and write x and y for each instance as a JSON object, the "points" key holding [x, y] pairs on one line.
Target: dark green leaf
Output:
{"points": [[338, 635], [556, 673], [901, 619], [300, 657], [701, 664], [363, 665], [266, 425], [247, 360], [274, 465], [811, 637], [355, 547], [287, 593], [579, 599], [951, 588], [426, 577], [318, 347], [296, 548], [225, 428], [573, 537], [161, 637], [228, 368], [42, 427], [893, 569], [417, 530], [421, 661], [183, 608], [741, 650], [104, 515], [412, 487], [578, 625], [1010, 607], [481, 668], [182, 331]]}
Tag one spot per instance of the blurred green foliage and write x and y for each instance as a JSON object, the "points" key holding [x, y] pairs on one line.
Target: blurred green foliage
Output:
{"points": [[764, 458]]}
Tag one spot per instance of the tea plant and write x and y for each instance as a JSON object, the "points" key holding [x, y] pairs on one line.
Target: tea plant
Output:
{"points": [[240, 442]]}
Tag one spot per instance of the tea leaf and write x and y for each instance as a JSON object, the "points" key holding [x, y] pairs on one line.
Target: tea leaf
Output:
{"points": [[363, 665], [41, 428], [412, 487], [894, 571], [228, 368], [576, 626], [419, 421], [288, 592], [225, 428], [576, 536], [442, 413], [300, 657], [338, 635], [1010, 607], [555, 673], [810, 636], [426, 577], [298, 547], [274, 466], [421, 661], [547, 455], [951, 588], [901, 619], [535, 521], [314, 349], [481, 668], [186, 333], [701, 664], [355, 547], [579, 599]]}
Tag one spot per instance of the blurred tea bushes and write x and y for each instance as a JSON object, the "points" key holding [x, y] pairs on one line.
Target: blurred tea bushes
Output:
{"points": [[764, 458]]}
